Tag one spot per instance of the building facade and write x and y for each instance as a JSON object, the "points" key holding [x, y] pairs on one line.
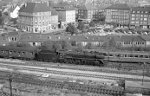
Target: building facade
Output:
{"points": [[126, 41], [37, 18], [89, 12], [118, 13], [66, 16], [140, 17]]}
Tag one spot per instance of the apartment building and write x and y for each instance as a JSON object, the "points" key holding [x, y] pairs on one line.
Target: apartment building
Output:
{"points": [[118, 13], [86, 12], [37, 18], [140, 17]]}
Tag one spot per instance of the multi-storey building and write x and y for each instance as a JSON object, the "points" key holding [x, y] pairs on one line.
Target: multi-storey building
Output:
{"points": [[87, 12], [140, 17], [143, 3], [66, 14], [37, 18], [118, 13]]}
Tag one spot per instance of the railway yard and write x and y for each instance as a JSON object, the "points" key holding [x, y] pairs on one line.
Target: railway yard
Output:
{"points": [[69, 80]]}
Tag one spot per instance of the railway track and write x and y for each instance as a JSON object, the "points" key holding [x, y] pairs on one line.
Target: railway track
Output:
{"points": [[77, 73], [108, 69], [85, 75], [67, 85], [6, 94]]}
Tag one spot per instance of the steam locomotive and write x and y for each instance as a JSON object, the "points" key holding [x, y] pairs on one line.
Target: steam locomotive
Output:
{"points": [[61, 56]]}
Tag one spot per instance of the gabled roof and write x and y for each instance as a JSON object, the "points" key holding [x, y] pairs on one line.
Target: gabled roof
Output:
{"points": [[119, 7], [35, 7], [128, 38]]}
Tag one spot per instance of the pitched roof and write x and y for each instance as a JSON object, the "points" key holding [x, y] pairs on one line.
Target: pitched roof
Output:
{"points": [[3, 40], [0, 7], [146, 8], [35, 7], [37, 37], [90, 38], [54, 12], [119, 6], [11, 33], [62, 7], [86, 7], [128, 38], [145, 37]]}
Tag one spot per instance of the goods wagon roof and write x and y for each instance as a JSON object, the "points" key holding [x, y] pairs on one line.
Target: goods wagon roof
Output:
{"points": [[29, 49]]}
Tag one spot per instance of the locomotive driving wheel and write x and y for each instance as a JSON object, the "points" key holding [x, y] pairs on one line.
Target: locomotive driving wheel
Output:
{"points": [[69, 61], [96, 63], [83, 62], [65, 60], [77, 61]]}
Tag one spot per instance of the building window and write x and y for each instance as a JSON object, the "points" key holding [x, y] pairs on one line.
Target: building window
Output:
{"points": [[145, 15], [137, 18], [133, 18], [133, 15], [36, 29], [145, 19], [133, 11], [138, 11]]}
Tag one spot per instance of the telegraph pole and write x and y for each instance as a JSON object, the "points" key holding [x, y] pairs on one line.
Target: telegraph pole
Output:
{"points": [[10, 84], [143, 72]]}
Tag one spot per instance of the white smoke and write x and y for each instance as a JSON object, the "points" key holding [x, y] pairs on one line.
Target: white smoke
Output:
{"points": [[14, 14]]}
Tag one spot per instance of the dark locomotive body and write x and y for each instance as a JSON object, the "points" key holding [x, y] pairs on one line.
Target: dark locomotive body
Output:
{"points": [[81, 58], [62, 56], [46, 55]]}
